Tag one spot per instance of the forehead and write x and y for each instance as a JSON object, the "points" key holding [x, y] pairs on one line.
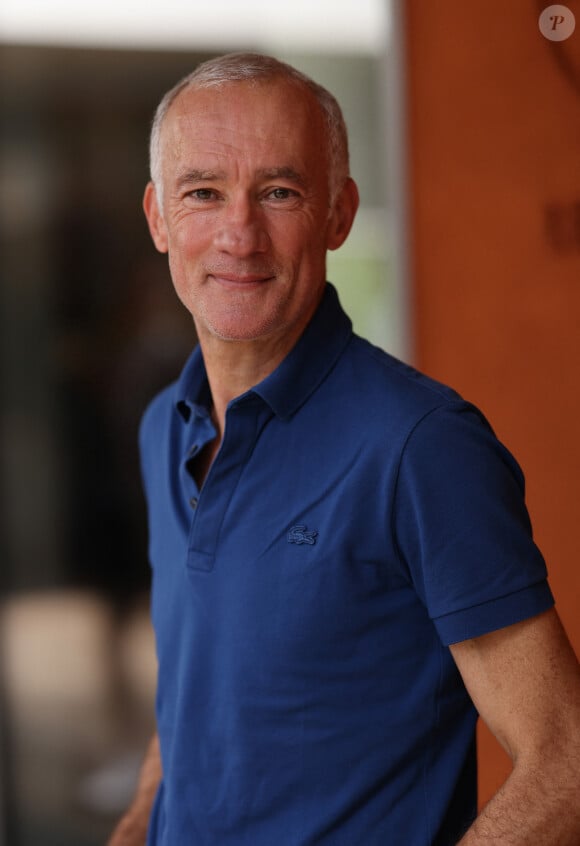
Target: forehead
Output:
{"points": [[250, 119]]}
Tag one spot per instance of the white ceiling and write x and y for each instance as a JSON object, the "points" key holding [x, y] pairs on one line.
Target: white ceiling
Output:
{"points": [[352, 26]]}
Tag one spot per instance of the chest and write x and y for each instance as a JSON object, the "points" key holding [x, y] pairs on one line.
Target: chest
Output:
{"points": [[285, 553]]}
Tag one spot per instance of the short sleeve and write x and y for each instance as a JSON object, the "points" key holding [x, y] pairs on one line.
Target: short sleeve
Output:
{"points": [[462, 527]]}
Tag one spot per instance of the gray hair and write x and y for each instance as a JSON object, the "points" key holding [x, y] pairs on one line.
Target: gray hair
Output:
{"points": [[239, 67]]}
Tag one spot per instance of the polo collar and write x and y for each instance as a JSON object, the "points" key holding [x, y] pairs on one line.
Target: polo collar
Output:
{"points": [[192, 394], [310, 360], [296, 377]]}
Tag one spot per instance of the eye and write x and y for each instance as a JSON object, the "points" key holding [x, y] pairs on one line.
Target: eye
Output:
{"points": [[202, 194], [281, 194]]}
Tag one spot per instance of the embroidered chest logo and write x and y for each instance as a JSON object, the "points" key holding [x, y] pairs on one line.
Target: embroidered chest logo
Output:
{"points": [[299, 535]]}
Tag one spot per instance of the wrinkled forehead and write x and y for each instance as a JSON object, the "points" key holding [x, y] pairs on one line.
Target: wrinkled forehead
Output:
{"points": [[249, 110]]}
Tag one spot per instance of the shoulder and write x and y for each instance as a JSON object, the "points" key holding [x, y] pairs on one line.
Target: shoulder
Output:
{"points": [[396, 374], [155, 431], [388, 390], [156, 415]]}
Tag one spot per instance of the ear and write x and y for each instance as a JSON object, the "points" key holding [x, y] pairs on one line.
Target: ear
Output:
{"points": [[155, 218], [342, 215]]}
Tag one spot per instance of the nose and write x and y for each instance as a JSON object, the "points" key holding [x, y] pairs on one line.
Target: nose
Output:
{"points": [[242, 230]]}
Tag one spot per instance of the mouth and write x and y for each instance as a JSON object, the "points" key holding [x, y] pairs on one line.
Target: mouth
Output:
{"points": [[240, 280]]}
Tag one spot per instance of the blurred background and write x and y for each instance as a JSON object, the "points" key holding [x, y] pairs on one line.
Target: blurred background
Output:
{"points": [[465, 260]]}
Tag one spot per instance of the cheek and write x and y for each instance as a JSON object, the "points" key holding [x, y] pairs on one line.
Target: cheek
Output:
{"points": [[191, 233], [185, 244], [299, 243], [186, 253], [183, 274]]}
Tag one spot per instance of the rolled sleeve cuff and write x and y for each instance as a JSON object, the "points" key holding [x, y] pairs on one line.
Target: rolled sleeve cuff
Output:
{"points": [[495, 614]]}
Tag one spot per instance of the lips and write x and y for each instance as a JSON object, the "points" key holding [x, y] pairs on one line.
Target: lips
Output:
{"points": [[241, 279]]}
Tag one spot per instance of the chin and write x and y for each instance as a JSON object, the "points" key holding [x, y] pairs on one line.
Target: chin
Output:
{"points": [[237, 333], [243, 327]]}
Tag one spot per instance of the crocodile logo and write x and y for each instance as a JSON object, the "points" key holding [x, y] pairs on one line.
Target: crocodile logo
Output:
{"points": [[300, 535]]}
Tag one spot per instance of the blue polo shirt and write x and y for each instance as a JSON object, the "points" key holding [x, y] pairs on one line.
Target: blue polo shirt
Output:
{"points": [[358, 518]]}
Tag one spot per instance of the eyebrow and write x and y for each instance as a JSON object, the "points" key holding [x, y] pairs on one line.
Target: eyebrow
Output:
{"points": [[190, 177], [285, 172]]}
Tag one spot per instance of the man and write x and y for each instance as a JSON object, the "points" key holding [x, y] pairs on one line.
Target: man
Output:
{"points": [[343, 569]]}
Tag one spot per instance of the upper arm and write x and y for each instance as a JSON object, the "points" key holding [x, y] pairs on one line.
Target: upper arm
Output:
{"points": [[460, 498], [524, 681]]}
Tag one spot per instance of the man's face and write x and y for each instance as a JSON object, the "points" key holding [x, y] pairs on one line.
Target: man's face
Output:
{"points": [[246, 218]]}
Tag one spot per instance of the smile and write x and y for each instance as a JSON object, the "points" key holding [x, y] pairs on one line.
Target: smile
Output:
{"points": [[239, 280]]}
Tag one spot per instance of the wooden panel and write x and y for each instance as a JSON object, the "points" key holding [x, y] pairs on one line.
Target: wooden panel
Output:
{"points": [[494, 162]]}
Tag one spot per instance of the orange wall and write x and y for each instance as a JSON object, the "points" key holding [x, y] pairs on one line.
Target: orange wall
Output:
{"points": [[494, 168]]}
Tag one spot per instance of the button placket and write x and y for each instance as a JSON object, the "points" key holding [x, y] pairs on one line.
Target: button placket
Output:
{"points": [[201, 431], [243, 425]]}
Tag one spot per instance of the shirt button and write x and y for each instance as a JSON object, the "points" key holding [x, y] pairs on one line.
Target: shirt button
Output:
{"points": [[193, 502], [193, 450]]}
